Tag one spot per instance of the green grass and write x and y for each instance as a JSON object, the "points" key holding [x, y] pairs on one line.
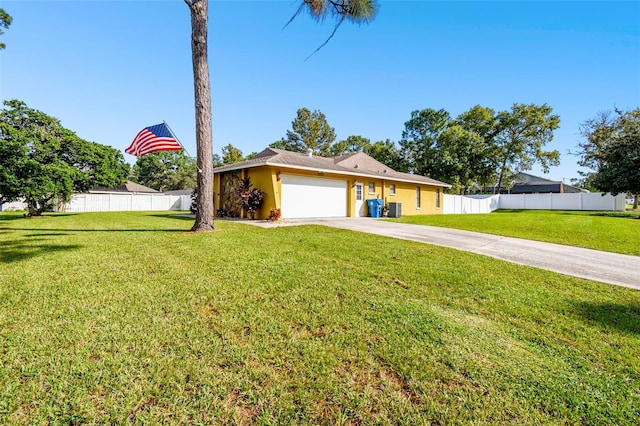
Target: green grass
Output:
{"points": [[617, 232], [125, 317]]}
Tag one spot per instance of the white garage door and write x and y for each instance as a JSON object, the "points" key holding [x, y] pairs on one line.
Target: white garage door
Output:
{"points": [[304, 196]]}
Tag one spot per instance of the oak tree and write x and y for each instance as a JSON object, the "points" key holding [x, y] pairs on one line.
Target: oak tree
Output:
{"points": [[42, 162], [618, 158], [520, 136], [165, 171]]}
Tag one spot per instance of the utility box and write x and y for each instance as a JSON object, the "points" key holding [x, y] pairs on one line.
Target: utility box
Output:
{"points": [[395, 209]]}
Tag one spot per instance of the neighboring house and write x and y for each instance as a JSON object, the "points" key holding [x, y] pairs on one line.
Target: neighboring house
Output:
{"points": [[526, 183], [311, 186], [130, 187]]}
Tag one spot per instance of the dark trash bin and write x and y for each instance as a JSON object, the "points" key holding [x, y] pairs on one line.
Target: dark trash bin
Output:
{"points": [[395, 209]]}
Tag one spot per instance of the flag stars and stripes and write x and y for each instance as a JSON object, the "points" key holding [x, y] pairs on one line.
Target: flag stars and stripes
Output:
{"points": [[153, 139]]}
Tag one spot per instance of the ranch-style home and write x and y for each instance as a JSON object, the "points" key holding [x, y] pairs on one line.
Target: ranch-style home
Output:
{"points": [[309, 186]]}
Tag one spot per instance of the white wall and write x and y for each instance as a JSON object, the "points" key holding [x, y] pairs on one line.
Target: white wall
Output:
{"points": [[13, 205], [115, 202], [124, 202], [458, 204]]}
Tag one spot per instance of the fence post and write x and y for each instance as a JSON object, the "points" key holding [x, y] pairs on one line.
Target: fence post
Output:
{"points": [[580, 202]]}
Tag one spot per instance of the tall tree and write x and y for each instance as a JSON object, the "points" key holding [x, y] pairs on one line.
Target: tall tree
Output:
{"points": [[387, 153], [474, 146], [202, 93], [5, 22], [165, 171], [231, 154], [43, 162], [617, 160], [464, 158], [309, 130], [350, 144], [419, 139], [597, 133], [521, 135], [357, 11]]}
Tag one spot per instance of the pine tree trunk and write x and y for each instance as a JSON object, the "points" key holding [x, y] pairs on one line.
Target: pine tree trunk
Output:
{"points": [[202, 90]]}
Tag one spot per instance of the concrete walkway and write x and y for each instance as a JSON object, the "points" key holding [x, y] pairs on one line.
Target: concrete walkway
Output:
{"points": [[611, 268]]}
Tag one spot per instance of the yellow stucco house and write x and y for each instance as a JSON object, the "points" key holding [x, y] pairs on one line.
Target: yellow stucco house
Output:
{"points": [[305, 185]]}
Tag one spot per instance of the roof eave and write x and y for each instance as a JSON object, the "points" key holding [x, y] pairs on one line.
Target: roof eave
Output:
{"points": [[321, 170]]}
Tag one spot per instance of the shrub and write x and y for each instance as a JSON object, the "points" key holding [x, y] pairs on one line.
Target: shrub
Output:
{"points": [[274, 214], [252, 199]]}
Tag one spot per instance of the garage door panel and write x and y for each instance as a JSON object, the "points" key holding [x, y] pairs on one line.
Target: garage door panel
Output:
{"points": [[304, 196]]}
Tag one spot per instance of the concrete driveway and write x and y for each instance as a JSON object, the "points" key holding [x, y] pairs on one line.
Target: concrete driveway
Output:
{"points": [[611, 268]]}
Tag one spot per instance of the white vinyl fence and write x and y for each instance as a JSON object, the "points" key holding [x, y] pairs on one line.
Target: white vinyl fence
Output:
{"points": [[458, 204], [13, 205], [115, 202]]}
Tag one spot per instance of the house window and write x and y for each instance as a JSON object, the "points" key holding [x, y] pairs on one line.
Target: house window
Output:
{"points": [[392, 189], [372, 188], [437, 198], [417, 197], [358, 192]]}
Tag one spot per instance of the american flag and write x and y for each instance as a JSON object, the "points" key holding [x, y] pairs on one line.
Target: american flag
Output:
{"points": [[152, 139]]}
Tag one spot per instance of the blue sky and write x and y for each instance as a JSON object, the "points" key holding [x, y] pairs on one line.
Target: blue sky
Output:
{"points": [[107, 69]]}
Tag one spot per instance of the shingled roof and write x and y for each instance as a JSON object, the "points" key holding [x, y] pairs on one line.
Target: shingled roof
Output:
{"points": [[353, 164], [129, 186]]}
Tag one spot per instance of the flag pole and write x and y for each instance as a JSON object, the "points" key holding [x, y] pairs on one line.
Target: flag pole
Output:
{"points": [[177, 140], [183, 148]]}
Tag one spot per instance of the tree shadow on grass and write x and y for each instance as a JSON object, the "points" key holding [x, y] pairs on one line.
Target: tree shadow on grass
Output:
{"points": [[619, 215], [624, 317], [14, 251], [68, 231], [179, 216]]}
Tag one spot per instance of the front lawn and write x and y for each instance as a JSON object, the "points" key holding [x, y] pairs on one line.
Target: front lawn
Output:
{"points": [[617, 232], [112, 318]]}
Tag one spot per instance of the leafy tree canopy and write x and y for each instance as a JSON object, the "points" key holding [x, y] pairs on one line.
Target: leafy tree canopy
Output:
{"points": [[617, 158], [165, 171], [231, 154], [419, 139], [478, 145], [521, 135], [387, 153], [351, 144], [5, 22], [596, 134], [309, 130], [43, 162]]}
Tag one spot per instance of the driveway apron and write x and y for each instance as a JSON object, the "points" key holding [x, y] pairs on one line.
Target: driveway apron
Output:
{"points": [[611, 268]]}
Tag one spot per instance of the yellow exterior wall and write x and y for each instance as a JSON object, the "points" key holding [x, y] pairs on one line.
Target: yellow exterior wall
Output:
{"points": [[406, 194], [216, 192], [266, 178], [263, 178]]}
